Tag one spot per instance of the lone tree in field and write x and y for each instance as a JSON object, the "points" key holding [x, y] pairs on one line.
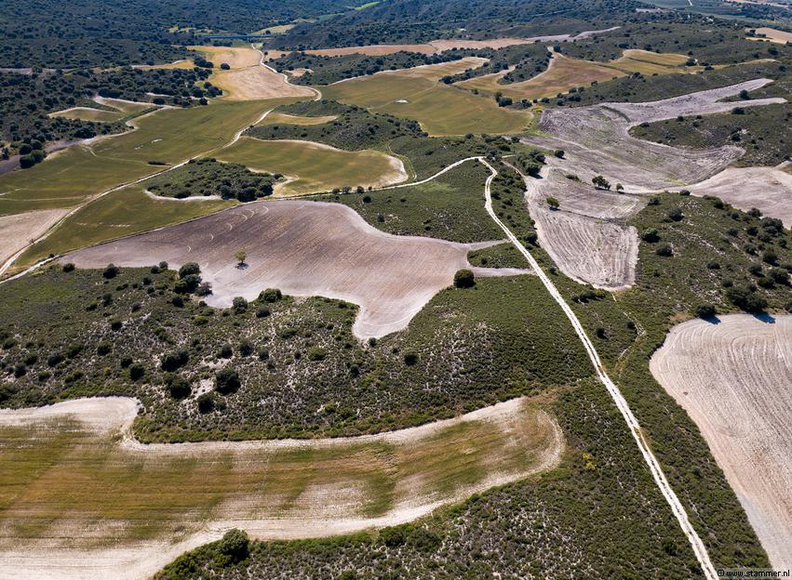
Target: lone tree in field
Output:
{"points": [[241, 256], [619, 187], [600, 182], [464, 279], [553, 202]]}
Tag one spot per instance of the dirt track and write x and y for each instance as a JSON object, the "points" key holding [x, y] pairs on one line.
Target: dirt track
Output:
{"points": [[304, 248], [328, 505], [734, 379]]}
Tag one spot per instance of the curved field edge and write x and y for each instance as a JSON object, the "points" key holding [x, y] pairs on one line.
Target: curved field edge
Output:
{"points": [[731, 374], [275, 489]]}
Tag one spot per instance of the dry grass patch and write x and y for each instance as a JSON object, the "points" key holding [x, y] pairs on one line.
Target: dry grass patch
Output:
{"points": [[276, 118], [649, 63], [313, 167], [733, 376], [773, 35], [17, 231], [75, 492], [248, 80]]}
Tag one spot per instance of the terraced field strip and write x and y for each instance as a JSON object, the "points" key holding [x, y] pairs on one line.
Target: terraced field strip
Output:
{"points": [[441, 109], [733, 377], [87, 501], [655, 469]]}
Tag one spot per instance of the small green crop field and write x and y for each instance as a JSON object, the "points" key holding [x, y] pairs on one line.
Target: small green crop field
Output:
{"points": [[441, 110], [312, 167]]}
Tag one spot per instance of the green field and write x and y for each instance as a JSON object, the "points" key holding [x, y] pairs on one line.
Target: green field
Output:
{"points": [[168, 137], [311, 167], [121, 213], [441, 109]]}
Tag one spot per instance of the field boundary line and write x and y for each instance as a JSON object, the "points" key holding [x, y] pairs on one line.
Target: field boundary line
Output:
{"points": [[656, 470]]}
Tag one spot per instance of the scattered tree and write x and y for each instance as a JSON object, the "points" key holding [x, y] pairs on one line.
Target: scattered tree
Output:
{"points": [[600, 182], [464, 279], [240, 256], [552, 202]]}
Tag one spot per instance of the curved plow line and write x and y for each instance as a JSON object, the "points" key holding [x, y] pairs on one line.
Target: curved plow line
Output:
{"points": [[632, 422]]}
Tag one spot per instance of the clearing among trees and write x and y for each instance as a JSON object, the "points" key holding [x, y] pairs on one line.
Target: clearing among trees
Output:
{"points": [[733, 375], [305, 249]]}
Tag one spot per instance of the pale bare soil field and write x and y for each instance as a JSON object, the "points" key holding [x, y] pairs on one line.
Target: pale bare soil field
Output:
{"points": [[304, 248], [773, 35], [18, 230], [597, 139], [766, 188], [248, 79], [734, 379], [286, 119], [586, 237], [66, 524]]}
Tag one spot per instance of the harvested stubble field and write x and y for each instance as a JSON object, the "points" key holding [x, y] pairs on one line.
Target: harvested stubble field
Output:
{"points": [[314, 167], [18, 230], [118, 109], [774, 35], [597, 139], [277, 118], [563, 74], [587, 237], [733, 375], [88, 500], [417, 94], [305, 249], [248, 79]]}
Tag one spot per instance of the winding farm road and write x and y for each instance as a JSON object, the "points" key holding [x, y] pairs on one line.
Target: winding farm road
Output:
{"points": [[632, 422]]}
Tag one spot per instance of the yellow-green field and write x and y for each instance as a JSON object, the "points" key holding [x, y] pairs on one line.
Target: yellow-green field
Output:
{"points": [[284, 119], [121, 213], [649, 63], [121, 109], [313, 167], [60, 478], [563, 74], [441, 109], [168, 136]]}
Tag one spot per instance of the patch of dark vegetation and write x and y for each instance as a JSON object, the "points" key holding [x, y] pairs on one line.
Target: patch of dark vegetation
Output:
{"points": [[59, 324], [450, 207], [209, 177], [500, 256], [354, 128], [415, 21], [525, 60], [563, 524], [705, 42], [27, 100], [93, 33], [764, 132], [325, 70]]}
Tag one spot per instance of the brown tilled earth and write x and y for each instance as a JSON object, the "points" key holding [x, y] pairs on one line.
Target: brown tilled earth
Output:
{"points": [[304, 248], [734, 378]]}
